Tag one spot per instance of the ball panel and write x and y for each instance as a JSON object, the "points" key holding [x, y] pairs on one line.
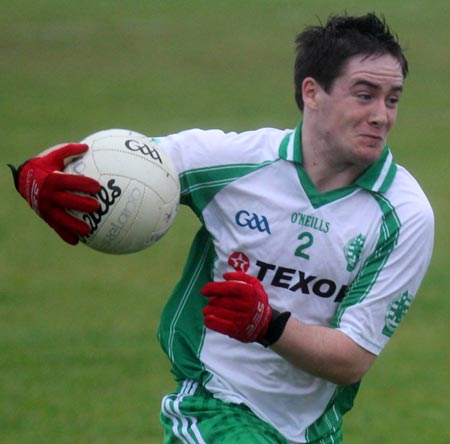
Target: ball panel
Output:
{"points": [[110, 133], [118, 217], [167, 217], [148, 171], [151, 223]]}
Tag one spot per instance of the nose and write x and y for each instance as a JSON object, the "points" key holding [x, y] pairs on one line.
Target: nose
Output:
{"points": [[379, 116]]}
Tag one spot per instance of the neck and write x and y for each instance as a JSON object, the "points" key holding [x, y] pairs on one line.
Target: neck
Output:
{"points": [[324, 169]]}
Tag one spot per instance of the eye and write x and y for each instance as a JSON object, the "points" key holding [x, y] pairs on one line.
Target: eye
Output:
{"points": [[364, 96], [392, 101]]}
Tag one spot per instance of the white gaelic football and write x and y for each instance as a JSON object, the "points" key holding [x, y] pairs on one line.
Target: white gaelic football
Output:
{"points": [[140, 191]]}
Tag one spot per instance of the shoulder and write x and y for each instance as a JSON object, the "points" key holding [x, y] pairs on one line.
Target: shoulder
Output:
{"points": [[408, 197], [203, 148], [219, 136], [413, 215]]}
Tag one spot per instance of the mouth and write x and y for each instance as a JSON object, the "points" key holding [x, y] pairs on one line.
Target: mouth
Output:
{"points": [[372, 139]]}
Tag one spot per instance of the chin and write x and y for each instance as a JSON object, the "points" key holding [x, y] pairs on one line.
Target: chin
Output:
{"points": [[367, 156]]}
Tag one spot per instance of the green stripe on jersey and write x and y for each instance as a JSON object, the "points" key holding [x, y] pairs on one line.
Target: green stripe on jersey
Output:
{"points": [[316, 198], [192, 415], [368, 275], [328, 428], [199, 186], [181, 330], [379, 176]]}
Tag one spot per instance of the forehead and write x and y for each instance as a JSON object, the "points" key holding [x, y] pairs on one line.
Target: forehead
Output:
{"points": [[384, 70]]}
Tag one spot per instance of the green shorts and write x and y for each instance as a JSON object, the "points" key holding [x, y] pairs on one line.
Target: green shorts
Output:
{"points": [[192, 415]]}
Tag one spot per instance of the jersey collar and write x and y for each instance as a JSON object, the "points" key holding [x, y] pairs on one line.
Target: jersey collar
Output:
{"points": [[377, 178]]}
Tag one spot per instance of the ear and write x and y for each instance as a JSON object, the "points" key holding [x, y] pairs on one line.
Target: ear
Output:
{"points": [[310, 92]]}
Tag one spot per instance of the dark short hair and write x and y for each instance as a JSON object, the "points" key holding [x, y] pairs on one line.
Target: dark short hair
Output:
{"points": [[322, 51]]}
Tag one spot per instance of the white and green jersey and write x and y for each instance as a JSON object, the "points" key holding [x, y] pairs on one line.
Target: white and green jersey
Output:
{"points": [[350, 259]]}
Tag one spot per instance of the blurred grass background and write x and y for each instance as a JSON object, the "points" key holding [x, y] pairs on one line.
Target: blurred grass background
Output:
{"points": [[79, 361]]}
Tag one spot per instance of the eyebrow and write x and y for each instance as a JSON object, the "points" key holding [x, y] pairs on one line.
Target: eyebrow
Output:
{"points": [[375, 86]]}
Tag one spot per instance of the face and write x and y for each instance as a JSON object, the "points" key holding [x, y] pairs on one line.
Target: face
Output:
{"points": [[355, 117]]}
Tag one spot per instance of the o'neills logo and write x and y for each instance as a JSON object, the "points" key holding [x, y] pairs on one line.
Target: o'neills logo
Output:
{"points": [[106, 197], [132, 200]]}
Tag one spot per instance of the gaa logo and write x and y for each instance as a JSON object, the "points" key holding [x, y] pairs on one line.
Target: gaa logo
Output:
{"points": [[143, 148], [239, 261], [253, 221]]}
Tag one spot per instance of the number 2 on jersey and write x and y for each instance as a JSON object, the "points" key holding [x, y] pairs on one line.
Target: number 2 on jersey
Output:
{"points": [[306, 239]]}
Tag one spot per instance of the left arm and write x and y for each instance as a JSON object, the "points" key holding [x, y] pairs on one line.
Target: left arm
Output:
{"points": [[324, 352]]}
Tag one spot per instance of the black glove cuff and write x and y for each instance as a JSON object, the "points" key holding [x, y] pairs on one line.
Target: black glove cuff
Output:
{"points": [[276, 328], [15, 172]]}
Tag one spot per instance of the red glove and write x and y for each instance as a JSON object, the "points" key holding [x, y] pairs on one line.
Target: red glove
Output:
{"points": [[43, 185], [237, 307]]}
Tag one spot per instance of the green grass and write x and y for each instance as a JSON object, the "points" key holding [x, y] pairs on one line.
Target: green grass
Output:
{"points": [[79, 362]]}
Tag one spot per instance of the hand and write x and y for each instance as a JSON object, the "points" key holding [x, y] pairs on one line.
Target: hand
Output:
{"points": [[238, 307], [50, 192]]}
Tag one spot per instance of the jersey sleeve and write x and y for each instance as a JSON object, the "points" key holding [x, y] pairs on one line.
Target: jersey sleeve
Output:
{"points": [[198, 149], [388, 281], [208, 160]]}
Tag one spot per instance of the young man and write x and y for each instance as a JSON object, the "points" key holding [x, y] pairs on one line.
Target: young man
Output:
{"points": [[312, 246]]}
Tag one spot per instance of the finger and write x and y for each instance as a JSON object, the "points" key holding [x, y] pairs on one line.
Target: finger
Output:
{"points": [[70, 223], [220, 312], [65, 235], [229, 288], [75, 202], [240, 276], [72, 182], [62, 156], [233, 304], [223, 326]]}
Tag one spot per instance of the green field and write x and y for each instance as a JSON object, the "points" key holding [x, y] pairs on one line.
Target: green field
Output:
{"points": [[79, 361]]}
